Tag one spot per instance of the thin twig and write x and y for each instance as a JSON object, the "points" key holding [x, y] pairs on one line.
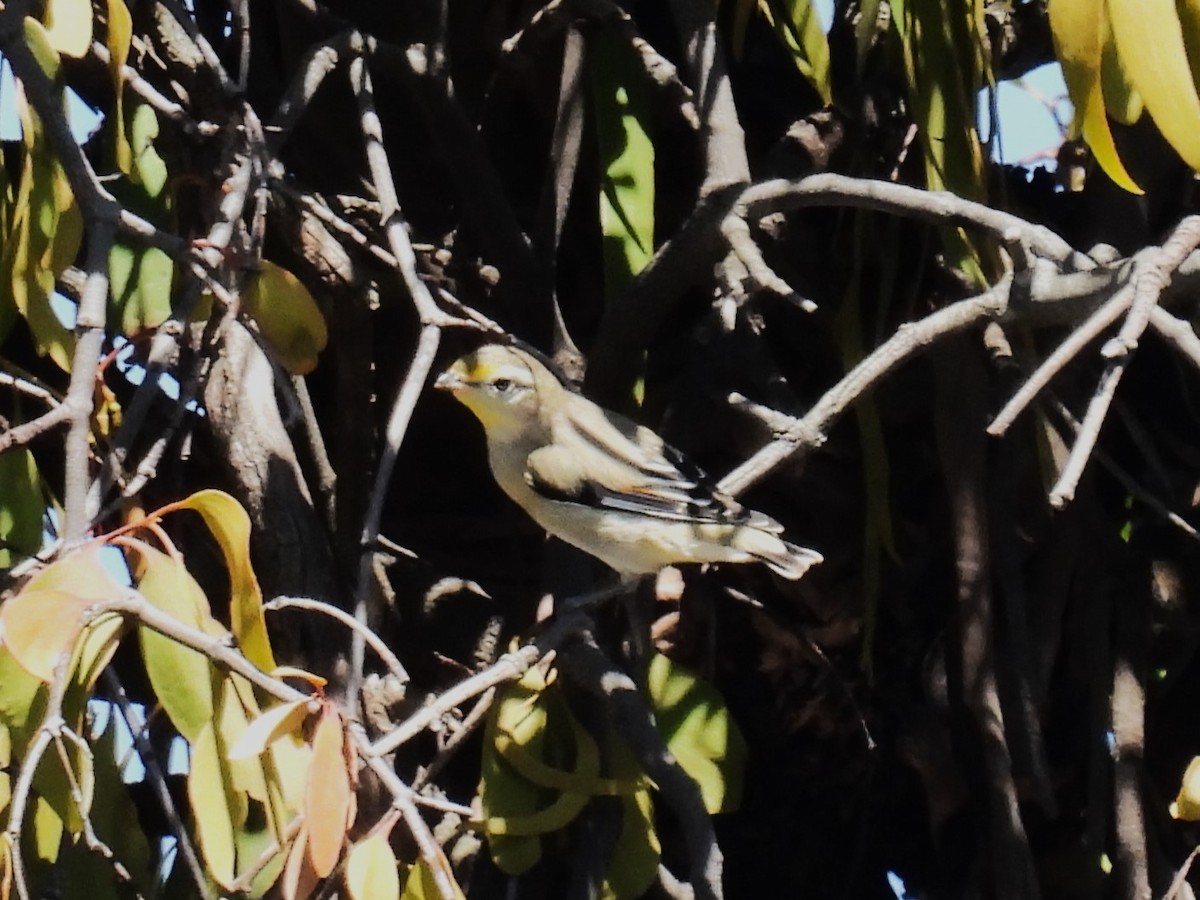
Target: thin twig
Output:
{"points": [[1152, 272], [432, 319], [22, 434], [509, 667], [318, 62], [207, 256], [373, 640], [470, 722], [154, 772], [30, 388], [1178, 332], [1127, 481], [162, 104], [908, 341], [1066, 351], [404, 800], [1180, 878]]}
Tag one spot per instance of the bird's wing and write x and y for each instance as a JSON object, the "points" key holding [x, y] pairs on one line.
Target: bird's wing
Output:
{"points": [[610, 462]]}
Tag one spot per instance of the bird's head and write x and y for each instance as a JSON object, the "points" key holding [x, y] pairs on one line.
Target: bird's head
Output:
{"points": [[499, 384]]}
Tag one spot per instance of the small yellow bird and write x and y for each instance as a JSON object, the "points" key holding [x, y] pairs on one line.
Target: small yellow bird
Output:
{"points": [[601, 482]]}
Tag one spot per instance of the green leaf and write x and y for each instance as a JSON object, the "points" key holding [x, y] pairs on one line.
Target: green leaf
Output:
{"points": [[516, 810], [22, 506], [700, 733], [22, 700], [621, 104], [149, 170], [42, 47], [235, 708], [140, 281], [47, 830], [799, 28], [141, 277], [743, 11], [251, 845], [46, 229], [182, 678], [287, 316], [635, 858], [944, 59]]}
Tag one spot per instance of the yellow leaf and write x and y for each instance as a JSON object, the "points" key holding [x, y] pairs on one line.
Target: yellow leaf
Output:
{"points": [[1187, 802], [1189, 22], [421, 883], [292, 758], [96, 648], [6, 872], [118, 41], [371, 870], [287, 317], [40, 627], [214, 807], [1078, 30], [44, 51], [47, 830], [1150, 46], [799, 27], [82, 573], [1121, 101], [69, 26], [327, 804], [230, 526], [237, 706], [268, 728], [303, 674]]}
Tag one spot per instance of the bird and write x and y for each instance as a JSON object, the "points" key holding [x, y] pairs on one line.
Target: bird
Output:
{"points": [[601, 482]]}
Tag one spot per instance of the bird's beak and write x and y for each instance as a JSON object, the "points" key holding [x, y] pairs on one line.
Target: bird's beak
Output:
{"points": [[451, 380]]}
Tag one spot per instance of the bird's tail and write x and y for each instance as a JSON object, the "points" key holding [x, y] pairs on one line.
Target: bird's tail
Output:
{"points": [[793, 561], [789, 560]]}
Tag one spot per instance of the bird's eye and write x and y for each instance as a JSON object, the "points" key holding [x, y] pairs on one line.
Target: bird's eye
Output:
{"points": [[502, 385]]}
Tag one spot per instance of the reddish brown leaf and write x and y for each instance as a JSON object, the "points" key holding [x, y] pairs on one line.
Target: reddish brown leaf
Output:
{"points": [[327, 800]]}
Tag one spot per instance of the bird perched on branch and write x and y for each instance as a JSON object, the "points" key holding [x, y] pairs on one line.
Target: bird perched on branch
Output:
{"points": [[601, 482]]}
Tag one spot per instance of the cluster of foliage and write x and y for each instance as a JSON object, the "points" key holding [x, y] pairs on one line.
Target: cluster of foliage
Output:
{"points": [[234, 524]]}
